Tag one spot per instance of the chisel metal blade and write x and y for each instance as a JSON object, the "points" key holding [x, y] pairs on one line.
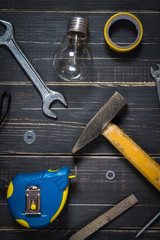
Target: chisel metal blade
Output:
{"points": [[103, 117]]}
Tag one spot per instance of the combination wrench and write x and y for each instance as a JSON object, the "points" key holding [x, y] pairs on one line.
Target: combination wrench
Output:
{"points": [[156, 76], [48, 96]]}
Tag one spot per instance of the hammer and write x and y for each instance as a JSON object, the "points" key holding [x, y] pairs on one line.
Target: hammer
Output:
{"points": [[101, 123]]}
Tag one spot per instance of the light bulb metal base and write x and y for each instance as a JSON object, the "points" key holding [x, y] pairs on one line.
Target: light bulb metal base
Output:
{"points": [[77, 24]]}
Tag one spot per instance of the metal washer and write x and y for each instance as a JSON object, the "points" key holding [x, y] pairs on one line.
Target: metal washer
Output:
{"points": [[110, 175], [29, 137]]}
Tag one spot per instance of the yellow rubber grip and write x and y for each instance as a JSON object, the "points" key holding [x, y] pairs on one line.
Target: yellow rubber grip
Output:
{"points": [[135, 155], [125, 16]]}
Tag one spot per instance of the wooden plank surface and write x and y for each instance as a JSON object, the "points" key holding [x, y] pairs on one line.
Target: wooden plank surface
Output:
{"points": [[82, 5], [39, 27]]}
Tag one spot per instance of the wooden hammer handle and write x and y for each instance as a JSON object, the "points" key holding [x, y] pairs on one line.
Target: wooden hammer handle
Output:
{"points": [[135, 155]]}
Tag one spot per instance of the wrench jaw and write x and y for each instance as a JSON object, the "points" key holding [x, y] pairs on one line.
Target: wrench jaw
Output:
{"points": [[48, 112], [152, 72], [156, 74], [53, 96], [8, 33], [58, 96]]}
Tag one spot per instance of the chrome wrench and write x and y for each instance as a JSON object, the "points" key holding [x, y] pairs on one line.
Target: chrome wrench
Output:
{"points": [[156, 76], [48, 96]]}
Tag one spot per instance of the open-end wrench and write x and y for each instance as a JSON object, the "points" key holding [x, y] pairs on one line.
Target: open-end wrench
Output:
{"points": [[156, 76], [48, 96]]}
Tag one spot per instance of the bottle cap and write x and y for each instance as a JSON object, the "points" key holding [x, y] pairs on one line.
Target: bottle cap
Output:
{"points": [[77, 24]]}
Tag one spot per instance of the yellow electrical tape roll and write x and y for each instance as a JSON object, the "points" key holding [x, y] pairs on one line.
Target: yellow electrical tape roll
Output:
{"points": [[123, 16]]}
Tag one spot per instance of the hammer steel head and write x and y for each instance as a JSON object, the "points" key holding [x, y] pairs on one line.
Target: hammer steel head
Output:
{"points": [[100, 120]]}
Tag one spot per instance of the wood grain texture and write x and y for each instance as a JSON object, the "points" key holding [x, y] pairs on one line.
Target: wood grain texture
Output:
{"points": [[105, 218], [82, 5], [83, 102], [39, 27], [91, 193]]}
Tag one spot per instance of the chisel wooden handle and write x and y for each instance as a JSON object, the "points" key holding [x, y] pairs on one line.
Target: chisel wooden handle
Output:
{"points": [[105, 218], [135, 155]]}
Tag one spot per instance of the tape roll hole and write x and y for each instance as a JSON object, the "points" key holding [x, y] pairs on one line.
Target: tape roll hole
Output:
{"points": [[123, 32]]}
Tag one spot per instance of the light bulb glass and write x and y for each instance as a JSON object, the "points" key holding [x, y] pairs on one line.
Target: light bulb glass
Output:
{"points": [[73, 60]]}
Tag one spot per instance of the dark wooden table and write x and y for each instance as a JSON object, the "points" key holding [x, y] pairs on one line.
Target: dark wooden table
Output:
{"points": [[39, 28]]}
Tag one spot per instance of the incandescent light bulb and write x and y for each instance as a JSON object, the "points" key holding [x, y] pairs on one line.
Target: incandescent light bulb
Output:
{"points": [[73, 60]]}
